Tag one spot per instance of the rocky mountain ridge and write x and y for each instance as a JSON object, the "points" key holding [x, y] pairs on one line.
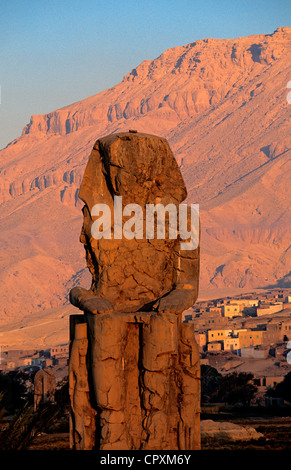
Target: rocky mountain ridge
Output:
{"points": [[222, 106]]}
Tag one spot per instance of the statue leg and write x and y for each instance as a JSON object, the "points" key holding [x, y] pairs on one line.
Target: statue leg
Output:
{"points": [[107, 336], [159, 349], [189, 425], [82, 418]]}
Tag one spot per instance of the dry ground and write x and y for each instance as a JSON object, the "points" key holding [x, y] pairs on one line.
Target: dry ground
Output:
{"points": [[277, 436]]}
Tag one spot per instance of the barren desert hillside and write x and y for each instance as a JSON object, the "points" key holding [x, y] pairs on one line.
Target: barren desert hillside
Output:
{"points": [[222, 106]]}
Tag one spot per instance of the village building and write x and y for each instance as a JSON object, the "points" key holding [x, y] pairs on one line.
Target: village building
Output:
{"points": [[267, 309], [250, 338], [231, 344], [218, 335], [215, 311], [207, 321], [231, 310], [214, 346], [264, 383]]}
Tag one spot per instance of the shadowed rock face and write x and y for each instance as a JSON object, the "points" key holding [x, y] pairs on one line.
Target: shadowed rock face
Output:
{"points": [[127, 275]]}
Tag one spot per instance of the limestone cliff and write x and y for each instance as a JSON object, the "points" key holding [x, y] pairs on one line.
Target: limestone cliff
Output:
{"points": [[222, 106]]}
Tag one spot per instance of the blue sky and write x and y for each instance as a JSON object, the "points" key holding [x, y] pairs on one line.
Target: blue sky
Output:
{"points": [[54, 53]]}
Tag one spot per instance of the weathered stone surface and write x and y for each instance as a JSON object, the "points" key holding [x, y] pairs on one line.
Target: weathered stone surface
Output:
{"points": [[82, 419], [145, 391], [143, 363], [127, 275], [44, 387]]}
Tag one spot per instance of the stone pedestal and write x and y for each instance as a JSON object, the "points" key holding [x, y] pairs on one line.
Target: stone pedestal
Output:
{"points": [[134, 382]]}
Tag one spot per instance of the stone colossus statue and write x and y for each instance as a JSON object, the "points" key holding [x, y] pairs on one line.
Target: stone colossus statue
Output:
{"points": [[143, 360]]}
